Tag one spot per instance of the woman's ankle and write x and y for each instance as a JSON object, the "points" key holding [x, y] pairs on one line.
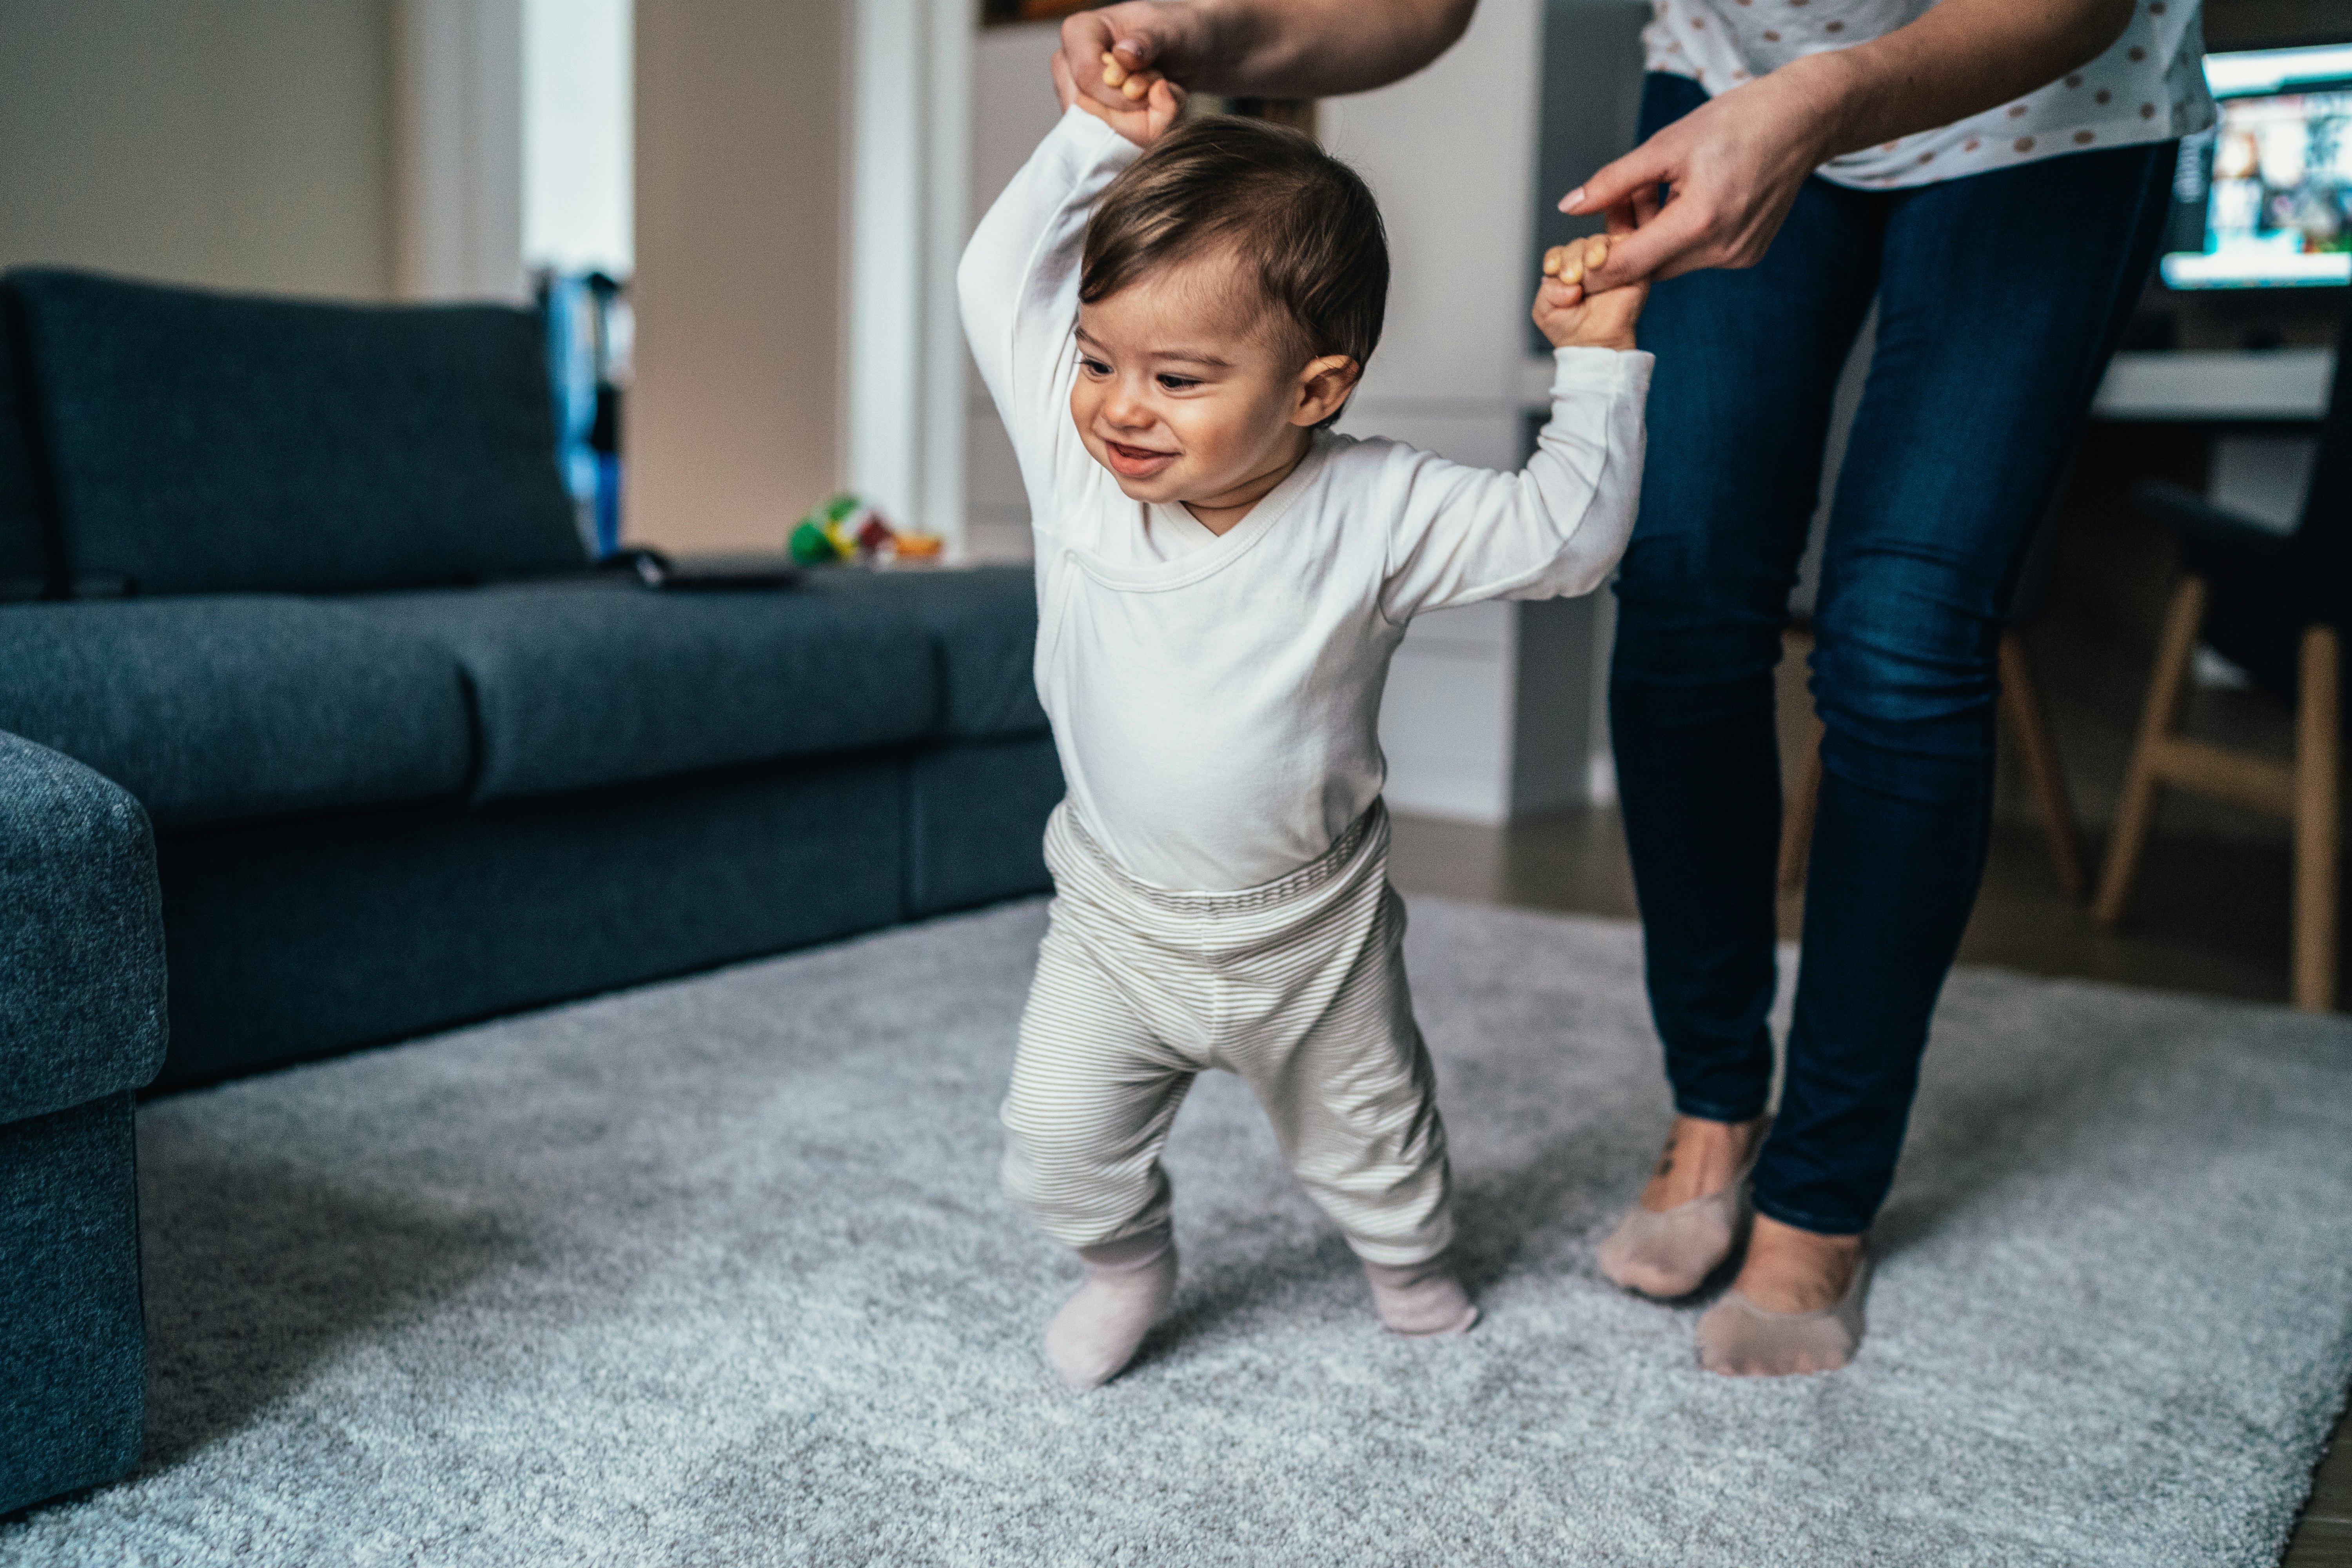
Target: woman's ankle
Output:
{"points": [[1700, 1158], [1792, 1270]]}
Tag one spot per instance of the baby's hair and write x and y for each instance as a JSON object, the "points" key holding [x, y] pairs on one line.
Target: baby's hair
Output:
{"points": [[1301, 217]]}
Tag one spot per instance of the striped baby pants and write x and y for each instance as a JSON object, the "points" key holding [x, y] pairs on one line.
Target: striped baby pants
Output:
{"points": [[1298, 986]]}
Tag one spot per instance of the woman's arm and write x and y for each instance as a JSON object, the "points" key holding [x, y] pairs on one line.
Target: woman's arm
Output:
{"points": [[1264, 48], [1736, 164]]}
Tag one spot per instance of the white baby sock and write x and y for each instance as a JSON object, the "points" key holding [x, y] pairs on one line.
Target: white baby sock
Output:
{"points": [[1129, 1283], [1421, 1298]]}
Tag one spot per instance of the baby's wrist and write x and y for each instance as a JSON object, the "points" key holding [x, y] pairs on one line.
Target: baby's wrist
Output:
{"points": [[1616, 342]]}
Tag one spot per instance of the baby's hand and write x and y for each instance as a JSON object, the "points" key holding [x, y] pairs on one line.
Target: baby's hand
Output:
{"points": [[1156, 101], [1572, 319]]}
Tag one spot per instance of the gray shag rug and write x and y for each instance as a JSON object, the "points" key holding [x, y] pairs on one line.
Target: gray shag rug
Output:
{"points": [[717, 1272]]}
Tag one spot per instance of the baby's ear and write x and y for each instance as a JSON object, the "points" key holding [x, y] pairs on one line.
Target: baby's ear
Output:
{"points": [[1323, 387]]}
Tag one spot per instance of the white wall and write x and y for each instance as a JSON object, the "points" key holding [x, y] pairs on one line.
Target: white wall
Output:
{"points": [[243, 145], [578, 183], [1013, 108], [458, 113], [910, 123], [1490, 712], [735, 412], [1450, 153]]}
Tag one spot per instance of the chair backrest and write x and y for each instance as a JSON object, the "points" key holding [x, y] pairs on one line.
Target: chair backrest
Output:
{"points": [[198, 442], [2325, 531]]}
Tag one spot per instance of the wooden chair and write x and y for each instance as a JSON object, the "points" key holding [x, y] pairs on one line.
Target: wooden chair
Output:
{"points": [[2273, 603]]}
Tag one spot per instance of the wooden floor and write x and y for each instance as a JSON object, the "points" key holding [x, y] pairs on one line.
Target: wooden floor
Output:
{"points": [[2212, 917]]}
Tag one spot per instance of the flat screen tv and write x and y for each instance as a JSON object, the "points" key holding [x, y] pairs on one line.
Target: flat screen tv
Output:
{"points": [[2264, 200]]}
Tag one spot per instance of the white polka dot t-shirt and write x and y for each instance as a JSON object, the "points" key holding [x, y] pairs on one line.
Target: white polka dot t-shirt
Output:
{"points": [[2150, 85]]}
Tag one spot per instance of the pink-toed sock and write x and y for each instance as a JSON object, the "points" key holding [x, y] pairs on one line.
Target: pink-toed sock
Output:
{"points": [[1128, 1284], [1421, 1299]]}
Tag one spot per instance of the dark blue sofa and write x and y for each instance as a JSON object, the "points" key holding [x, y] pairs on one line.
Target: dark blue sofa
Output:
{"points": [[297, 584]]}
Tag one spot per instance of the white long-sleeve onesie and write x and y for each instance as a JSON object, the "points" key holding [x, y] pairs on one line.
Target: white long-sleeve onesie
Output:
{"points": [[1216, 699]]}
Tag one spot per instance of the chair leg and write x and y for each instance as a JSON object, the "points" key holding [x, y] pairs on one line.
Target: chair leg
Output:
{"points": [[2021, 698], [1796, 818], [2318, 723], [2137, 812]]}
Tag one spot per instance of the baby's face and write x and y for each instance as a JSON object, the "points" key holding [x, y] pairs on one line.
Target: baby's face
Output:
{"points": [[1186, 390]]}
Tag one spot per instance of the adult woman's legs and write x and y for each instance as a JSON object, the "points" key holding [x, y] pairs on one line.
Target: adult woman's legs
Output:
{"points": [[1739, 409], [1999, 299]]}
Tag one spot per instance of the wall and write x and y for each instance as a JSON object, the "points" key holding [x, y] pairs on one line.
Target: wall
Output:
{"points": [[1013, 108], [734, 421], [577, 78], [1492, 712], [241, 143]]}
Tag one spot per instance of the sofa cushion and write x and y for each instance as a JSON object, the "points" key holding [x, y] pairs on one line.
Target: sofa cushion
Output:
{"points": [[214, 443], [983, 624], [24, 546], [602, 683], [212, 708]]}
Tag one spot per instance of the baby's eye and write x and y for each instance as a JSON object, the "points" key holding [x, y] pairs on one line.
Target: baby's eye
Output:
{"points": [[1093, 366], [1179, 382]]}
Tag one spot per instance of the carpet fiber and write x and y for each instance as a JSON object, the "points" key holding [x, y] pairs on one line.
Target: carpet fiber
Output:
{"points": [[717, 1272]]}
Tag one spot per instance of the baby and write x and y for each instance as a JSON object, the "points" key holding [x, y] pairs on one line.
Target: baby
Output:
{"points": [[1171, 317]]}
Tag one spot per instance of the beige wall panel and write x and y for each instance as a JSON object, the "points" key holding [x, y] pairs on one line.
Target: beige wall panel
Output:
{"points": [[241, 143], [734, 418]]}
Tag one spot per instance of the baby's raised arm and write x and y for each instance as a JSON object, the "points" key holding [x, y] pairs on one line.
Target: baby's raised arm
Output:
{"points": [[1018, 286]]}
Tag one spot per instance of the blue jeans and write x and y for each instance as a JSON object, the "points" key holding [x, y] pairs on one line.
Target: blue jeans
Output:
{"points": [[2000, 296]]}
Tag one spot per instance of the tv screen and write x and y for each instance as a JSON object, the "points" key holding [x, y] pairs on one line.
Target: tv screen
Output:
{"points": [[2264, 199]]}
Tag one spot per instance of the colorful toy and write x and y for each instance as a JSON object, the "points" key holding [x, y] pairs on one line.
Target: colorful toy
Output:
{"points": [[847, 528]]}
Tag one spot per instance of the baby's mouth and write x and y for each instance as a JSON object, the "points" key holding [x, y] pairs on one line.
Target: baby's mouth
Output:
{"points": [[1136, 462]]}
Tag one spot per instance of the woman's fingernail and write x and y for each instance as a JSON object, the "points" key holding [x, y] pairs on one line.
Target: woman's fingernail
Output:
{"points": [[1574, 199]]}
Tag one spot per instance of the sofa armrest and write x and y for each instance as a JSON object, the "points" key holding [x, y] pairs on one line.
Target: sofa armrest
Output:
{"points": [[81, 936]]}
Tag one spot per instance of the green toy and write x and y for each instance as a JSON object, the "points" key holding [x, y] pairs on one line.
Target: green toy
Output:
{"points": [[831, 532]]}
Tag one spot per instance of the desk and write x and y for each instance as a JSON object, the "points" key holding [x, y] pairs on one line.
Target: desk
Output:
{"points": [[2263, 475], [2270, 384]]}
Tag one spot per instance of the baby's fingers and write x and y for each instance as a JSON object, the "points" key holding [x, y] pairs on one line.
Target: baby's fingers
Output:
{"points": [[1565, 262], [1133, 85], [1554, 295], [1163, 107]]}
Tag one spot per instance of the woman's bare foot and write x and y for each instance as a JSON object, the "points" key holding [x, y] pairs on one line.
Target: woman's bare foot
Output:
{"points": [[1792, 1270], [1701, 1158]]}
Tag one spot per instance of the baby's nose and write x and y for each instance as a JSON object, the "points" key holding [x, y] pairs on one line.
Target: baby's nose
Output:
{"points": [[1124, 407]]}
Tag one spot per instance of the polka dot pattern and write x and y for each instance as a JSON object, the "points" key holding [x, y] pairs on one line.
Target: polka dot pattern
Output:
{"points": [[2148, 85]]}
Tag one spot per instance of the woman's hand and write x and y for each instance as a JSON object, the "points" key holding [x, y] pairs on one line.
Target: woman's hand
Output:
{"points": [[1734, 166]]}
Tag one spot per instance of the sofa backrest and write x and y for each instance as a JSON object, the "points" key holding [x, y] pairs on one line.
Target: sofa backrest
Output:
{"points": [[24, 533], [209, 443]]}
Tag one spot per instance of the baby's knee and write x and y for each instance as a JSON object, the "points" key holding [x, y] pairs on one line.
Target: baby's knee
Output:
{"points": [[1079, 1185]]}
